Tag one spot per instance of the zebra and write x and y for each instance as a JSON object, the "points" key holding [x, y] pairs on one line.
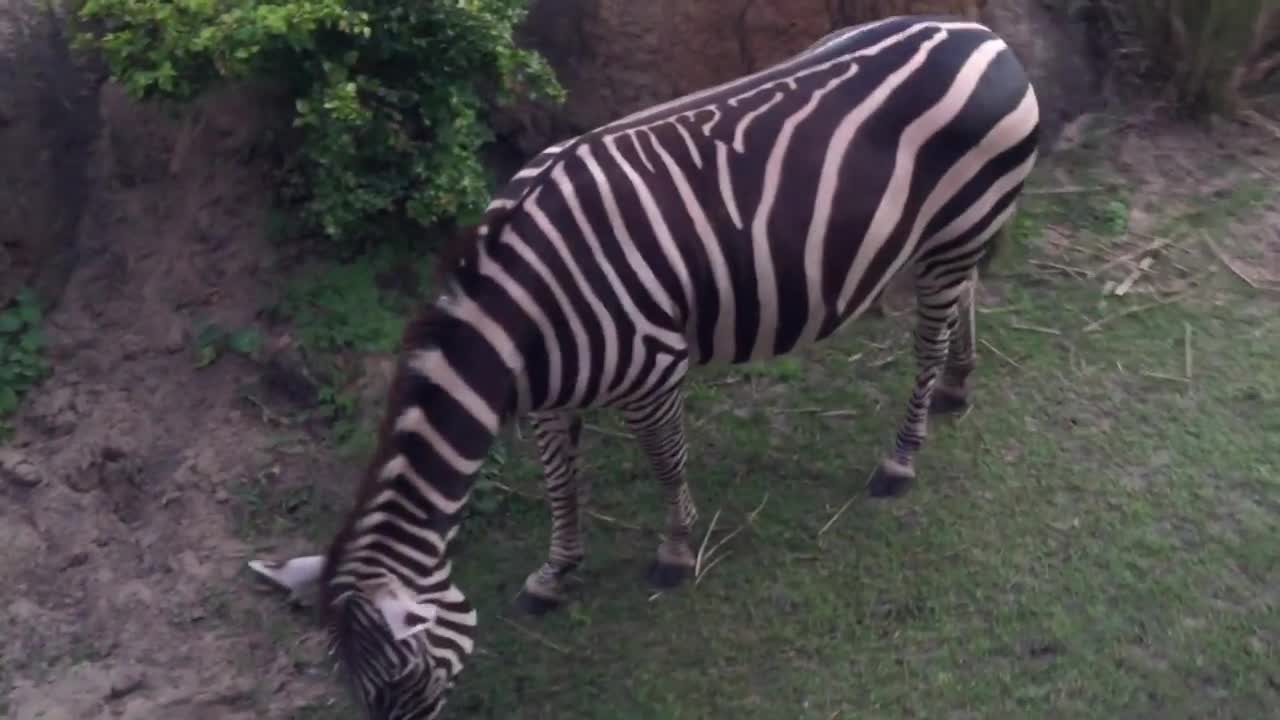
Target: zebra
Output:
{"points": [[735, 224]]}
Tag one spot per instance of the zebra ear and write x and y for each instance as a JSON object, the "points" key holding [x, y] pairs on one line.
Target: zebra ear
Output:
{"points": [[297, 575], [404, 615]]}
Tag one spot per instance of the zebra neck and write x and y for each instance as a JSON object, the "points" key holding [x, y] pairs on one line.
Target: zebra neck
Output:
{"points": [[445, 407]]}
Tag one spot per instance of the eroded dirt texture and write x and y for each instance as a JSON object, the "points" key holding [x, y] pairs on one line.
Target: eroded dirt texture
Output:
{"points": [[122, 572]]}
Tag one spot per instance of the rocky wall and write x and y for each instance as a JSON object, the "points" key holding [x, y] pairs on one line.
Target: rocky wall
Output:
{"points": [[617, 56], [48, 121]]}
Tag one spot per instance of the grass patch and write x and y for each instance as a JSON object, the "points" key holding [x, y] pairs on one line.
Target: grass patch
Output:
{"points": [[344, 312], [351, 306]]}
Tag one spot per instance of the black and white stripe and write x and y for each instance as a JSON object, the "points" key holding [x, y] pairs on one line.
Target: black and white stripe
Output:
{"points": [[731, 225]]}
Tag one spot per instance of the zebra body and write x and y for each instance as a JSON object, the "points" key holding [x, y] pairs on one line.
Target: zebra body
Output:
{"points": [[732, 225]]}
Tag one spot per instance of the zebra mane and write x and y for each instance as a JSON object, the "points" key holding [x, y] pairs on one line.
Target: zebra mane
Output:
{"points": [[458, 250], [420, 332], [461, 248]]}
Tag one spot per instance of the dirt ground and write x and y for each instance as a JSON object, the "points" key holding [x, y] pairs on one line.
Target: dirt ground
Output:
{"points": [[114, 507], [126, 594]]}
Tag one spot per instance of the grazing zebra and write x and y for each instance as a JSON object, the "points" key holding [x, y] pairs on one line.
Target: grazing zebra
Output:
{"points": [[731, 225]]}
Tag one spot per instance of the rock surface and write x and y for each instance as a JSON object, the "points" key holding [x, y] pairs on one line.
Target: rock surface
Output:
{"points": [[617, 56], [48, 120]]}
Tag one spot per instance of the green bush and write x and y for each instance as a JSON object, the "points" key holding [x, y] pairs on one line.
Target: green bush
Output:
{"points": [[388, 97], [1212, 54]]}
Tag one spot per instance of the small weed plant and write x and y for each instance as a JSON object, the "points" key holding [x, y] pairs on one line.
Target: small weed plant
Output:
{"points": [[341, 307], [212, 340], [22, 363], [343, 310]]}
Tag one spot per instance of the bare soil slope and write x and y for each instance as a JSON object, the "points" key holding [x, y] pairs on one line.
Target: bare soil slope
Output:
{"points": [[120, 559]]}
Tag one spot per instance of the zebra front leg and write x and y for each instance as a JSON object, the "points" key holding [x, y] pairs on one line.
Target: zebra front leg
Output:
{"points": [[557, 437], [953, 393], [659, 426], [935, 318]]}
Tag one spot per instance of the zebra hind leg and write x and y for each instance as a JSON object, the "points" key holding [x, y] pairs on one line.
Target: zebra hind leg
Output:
{"points": [[953, 394], [557, 437], [658, 424], [935, 319]]}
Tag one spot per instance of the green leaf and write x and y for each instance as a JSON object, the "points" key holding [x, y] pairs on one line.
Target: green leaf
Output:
{"points": [[388, 124]]}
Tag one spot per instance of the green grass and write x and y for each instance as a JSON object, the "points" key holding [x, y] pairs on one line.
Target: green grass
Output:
{"points": [[340, 312], [1098, 537], [352, 305]]}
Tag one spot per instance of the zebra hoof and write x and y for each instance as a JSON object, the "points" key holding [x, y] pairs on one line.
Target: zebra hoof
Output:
{"points": [[891, 479], [946, 401], [668, 576], [535, 605]]}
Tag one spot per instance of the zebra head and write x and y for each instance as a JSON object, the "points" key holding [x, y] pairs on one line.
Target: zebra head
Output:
{"points": [[400, 655]]}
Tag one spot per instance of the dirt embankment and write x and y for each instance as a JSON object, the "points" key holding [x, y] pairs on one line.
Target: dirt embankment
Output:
{"points": [[616, 56], [48, 120], [142, 224]]}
